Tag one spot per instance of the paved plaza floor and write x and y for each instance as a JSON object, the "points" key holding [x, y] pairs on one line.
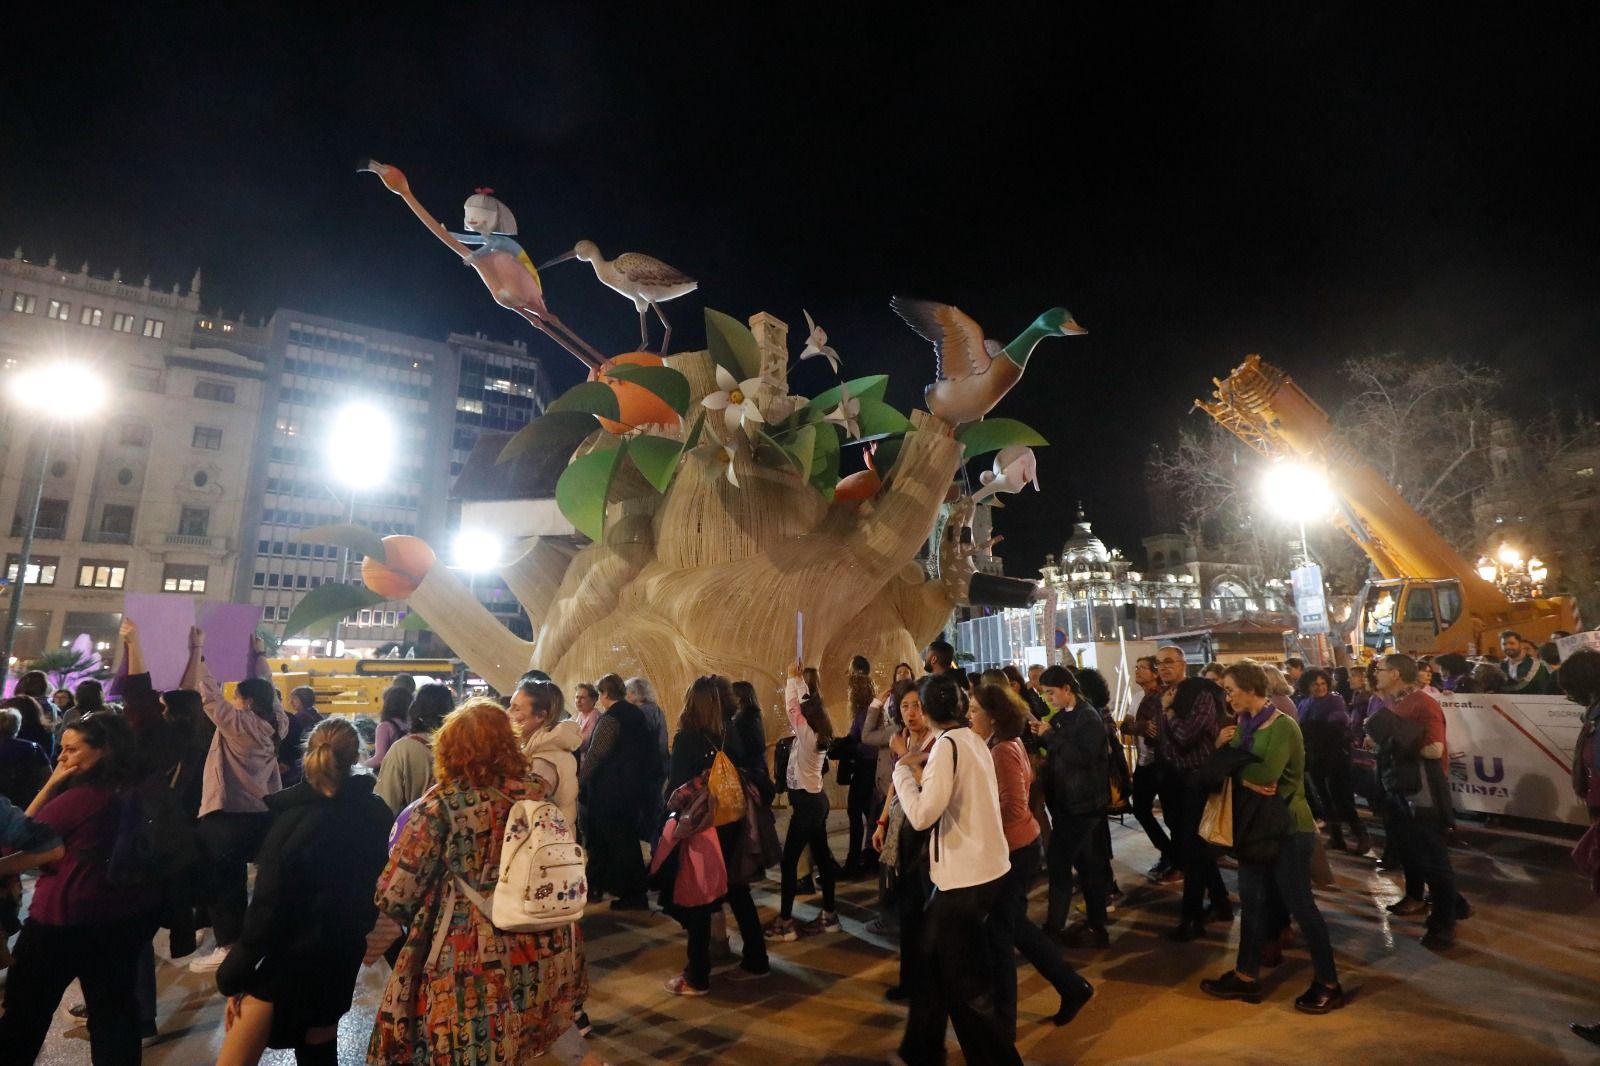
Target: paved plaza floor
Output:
{"points": [[1527, 963]]}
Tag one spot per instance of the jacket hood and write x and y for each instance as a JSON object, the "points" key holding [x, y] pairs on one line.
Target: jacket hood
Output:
{"points": [[563, 736], [355, 787]]}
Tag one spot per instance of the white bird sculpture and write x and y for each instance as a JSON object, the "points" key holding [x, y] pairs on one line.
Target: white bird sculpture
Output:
{"points": [[644, 279], [1015, 468], [817, 343]]}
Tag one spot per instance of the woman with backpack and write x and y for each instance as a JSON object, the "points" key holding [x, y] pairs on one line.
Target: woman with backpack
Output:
{"points": [[290, 977], [408, 767], [508, 996], [958, 799], [701, 737], [394, 722], [808, 806], [550, 742], [91, 914], [904, 850]]}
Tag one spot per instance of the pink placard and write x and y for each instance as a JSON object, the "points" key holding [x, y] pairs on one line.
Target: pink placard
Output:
{"points": [[229, 627], [163, 621]]}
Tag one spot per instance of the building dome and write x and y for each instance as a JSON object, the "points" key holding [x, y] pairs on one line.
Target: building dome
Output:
{"points": [[1083, 546]]}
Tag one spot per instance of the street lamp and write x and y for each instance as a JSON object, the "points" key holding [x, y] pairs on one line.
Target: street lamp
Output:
{"points": [[1291, 489], [360, 450], [478, 551], [61, 392]]}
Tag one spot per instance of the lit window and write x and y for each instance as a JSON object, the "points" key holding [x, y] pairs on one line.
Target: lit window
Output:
{"points": [[471, 407], [90, 316], [22, 303], [208, 437], [227, 327], [123, 322], [154, 327], [182, 577], [205, 323], [58, 310], [93, 574], [41, 569]]}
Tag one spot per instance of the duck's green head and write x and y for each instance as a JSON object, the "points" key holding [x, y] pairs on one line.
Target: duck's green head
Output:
{"points": [[1059, 320]]}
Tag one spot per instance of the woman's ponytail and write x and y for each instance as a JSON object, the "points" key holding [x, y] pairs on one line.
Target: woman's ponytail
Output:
{"points": [[331, 752]]}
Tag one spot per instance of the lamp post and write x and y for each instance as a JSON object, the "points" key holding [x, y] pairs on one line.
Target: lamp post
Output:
{"points": [[360, 447], [63, 392]]}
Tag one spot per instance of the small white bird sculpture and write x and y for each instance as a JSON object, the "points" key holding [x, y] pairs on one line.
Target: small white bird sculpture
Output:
{"points": [[1015, 468]]}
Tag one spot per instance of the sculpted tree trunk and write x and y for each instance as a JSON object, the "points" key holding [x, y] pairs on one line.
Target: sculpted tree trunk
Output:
{"points": [[708, 577]]}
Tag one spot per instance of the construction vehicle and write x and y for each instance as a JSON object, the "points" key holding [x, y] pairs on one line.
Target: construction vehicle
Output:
{"points": [[355, 686], [1427, 597]]}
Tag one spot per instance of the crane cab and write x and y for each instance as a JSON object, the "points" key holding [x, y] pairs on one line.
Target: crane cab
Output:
{"points": [[1413, 616]]}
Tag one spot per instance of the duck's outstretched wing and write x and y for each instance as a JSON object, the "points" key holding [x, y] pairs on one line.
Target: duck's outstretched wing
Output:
{"points": [[957, 340]]}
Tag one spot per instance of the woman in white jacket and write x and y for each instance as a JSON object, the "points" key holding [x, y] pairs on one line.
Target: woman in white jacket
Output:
{"points": [[959, 797], [549, 741]]}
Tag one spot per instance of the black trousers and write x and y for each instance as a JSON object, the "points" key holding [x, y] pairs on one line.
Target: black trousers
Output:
{"points": [[1011, 931], [1426, 859], [104, 959], [230, 841], [1075, 844], [1148, 785], [863, 814], [911, 901], [1330, 775], [952, 956], [615, 863], [1200, 874], [697, 923], [808, 828]]}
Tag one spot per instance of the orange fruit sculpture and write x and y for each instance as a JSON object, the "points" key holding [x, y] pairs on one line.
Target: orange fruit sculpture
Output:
{"points": [[409, 560], [636, 405]]}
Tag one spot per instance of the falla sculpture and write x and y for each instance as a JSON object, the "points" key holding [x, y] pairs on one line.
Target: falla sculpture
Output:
{"points": [[644, 279], [708, 508]]}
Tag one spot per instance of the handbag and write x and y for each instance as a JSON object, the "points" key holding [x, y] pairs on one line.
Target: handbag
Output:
{"points": [[1216, 821], [702, 873], [727, 791]]}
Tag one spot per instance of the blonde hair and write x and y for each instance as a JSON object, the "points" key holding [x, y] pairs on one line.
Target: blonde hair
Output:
{"points": [[1277, 684], [331, 752]]}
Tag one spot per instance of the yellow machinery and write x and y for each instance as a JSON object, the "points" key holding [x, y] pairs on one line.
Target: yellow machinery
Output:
{"points": [[1427, 599], [354, 686]]}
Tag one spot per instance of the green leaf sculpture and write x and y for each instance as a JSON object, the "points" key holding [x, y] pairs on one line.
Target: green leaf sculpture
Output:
{"points": [[878, 419], [328, 602], [560, 430], [871, 387], [733, 346], [662, 381], [581, 490], [804, 448], [656, 458], [413, 623], [358, 539], [593, 397], [825, 461], [992, 434]]}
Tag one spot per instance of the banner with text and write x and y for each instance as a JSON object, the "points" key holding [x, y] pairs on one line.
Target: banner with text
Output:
{"points": [[1310, 603], [1512, 755]]}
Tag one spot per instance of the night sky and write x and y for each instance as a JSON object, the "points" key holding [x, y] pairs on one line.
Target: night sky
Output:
{"points": [[1310, 184]]}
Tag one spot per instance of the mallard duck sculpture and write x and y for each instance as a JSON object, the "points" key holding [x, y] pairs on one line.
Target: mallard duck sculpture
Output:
{"points": [[975, 373]]}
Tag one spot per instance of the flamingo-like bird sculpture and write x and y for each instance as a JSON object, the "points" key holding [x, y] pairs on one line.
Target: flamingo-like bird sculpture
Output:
{"points": [[500, 261], [644, 279]]}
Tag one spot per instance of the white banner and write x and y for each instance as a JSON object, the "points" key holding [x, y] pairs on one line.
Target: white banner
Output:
{"points": [[1309, 601], [1512, 755]]}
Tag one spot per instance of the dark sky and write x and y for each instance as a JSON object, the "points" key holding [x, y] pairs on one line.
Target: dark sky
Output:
{"points": [[1307, 181]]}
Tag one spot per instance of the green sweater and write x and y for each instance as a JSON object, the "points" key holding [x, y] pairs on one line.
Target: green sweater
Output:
{"points": [[1282, 752]]}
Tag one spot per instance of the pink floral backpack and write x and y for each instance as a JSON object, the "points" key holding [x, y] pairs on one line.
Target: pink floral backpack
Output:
{"points": [[542, 882]]}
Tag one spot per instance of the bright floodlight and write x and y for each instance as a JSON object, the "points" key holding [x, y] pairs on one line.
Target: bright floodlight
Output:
{"points": [[63, 390], [1487, 570], [1509, 555], [1295, 490], [478, 550], [360, 445]]}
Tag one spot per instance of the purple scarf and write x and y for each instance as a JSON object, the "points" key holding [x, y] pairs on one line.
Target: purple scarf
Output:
{"points": [[1249, 723]]}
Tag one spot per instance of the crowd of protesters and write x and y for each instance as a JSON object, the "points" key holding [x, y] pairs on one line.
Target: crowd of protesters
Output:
{"points": [[960, 791]]}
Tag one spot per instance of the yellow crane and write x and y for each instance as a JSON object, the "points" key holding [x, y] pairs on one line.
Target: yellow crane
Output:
{"points": [[1428, 598]]}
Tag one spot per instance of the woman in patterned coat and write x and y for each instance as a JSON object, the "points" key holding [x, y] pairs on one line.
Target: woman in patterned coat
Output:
{"points": [[463, 993]]}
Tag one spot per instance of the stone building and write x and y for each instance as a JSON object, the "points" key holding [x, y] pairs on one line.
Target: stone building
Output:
{"points": [[150, 494]]}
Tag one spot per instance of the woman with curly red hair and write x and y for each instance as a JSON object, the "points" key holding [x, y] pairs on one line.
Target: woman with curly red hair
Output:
{"points": [[462, 990]]}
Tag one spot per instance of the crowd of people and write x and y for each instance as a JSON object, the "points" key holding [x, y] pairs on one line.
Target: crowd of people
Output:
{"points": [[960, 789]]}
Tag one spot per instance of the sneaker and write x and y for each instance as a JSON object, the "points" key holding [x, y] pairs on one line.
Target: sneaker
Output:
{"points": [[580, 1021], [680, 986], [1173, 876], [781, 929], [1229, 986], [210, 962], [826, 922], [878, 927], [1158, 871], [742, 973]]}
